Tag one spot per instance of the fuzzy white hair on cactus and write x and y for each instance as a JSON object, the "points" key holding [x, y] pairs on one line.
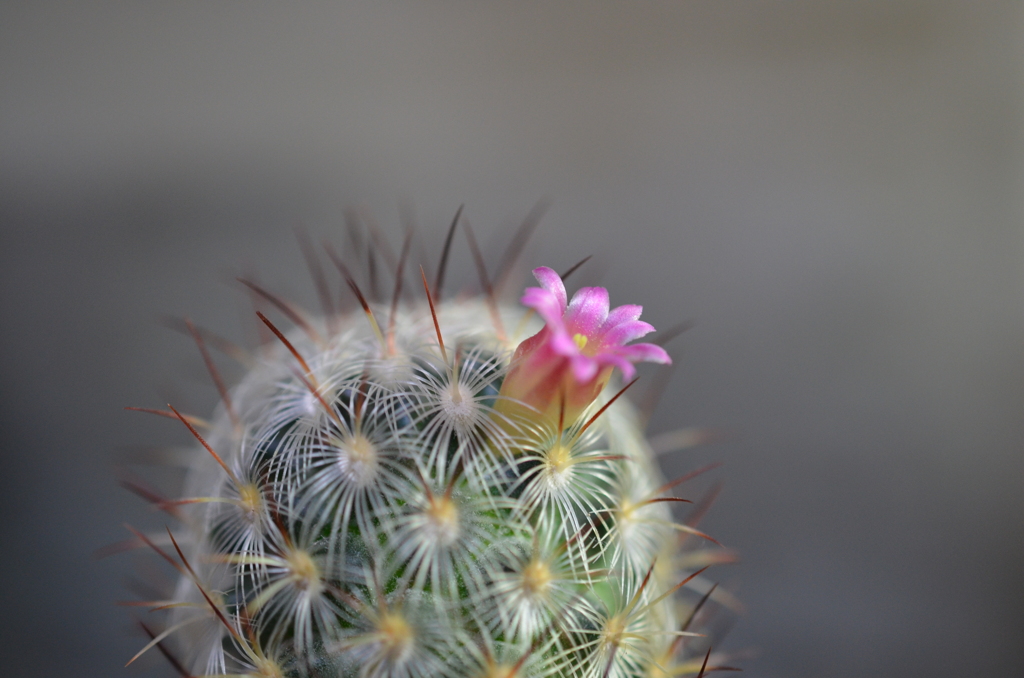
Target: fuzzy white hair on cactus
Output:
{"points": [[409, 491]]}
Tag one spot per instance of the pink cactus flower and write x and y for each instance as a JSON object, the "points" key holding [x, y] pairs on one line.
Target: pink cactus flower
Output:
{"points": [[572, 357]]}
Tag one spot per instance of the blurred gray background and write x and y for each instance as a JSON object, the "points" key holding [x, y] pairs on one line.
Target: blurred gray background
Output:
{"points": [[831, 191]]}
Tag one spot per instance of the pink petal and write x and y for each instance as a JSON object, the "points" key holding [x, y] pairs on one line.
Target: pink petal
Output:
{"points": [[584, 368], [587, 311], [648, 353], [552, 282], [627, 332], [546, 303], [623, 314], [562, 344], [618, 361]]}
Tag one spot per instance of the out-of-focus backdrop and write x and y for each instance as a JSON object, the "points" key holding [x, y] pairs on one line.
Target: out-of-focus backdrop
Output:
{"points": [[833, 193]]}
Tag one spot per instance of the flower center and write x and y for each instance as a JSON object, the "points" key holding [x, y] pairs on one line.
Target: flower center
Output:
{"points": [[581, 340]]}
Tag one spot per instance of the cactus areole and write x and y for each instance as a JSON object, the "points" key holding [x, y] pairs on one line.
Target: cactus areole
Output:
{"points": [[432, 489]]}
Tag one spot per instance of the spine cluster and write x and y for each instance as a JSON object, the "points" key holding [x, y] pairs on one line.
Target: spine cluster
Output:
{"points": [[412, 504]]}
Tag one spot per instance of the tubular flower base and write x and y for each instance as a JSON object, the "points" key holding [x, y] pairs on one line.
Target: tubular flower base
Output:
{"points": [[428, 497]]}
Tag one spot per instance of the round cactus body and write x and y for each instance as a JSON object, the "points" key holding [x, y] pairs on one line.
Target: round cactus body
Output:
{"points": [[460, 491]]}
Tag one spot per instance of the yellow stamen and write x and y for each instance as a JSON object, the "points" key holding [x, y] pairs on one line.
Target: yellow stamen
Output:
{"points": [[581, 340]]}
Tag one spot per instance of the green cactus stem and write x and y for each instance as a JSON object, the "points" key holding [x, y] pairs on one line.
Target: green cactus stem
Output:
{"points": [[438, 498]]}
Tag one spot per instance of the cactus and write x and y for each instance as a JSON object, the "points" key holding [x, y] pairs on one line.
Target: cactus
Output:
{"points": [[461, 492]]}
